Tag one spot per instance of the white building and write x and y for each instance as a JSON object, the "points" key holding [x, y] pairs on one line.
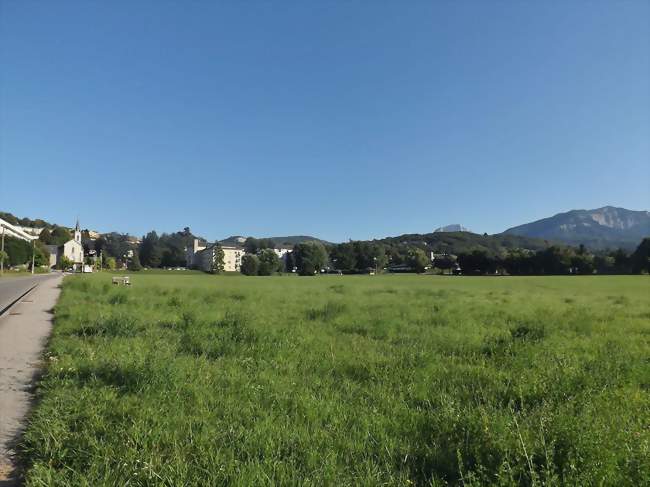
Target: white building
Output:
{"points": [[73, 250], [202, 256], [284, 255], [35, 231], [282, 252]]}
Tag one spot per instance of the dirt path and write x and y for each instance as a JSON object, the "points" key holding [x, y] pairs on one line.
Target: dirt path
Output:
{"points": [[24, 329]]}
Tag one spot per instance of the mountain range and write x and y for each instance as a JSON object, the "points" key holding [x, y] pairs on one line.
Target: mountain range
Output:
{"points": [[602, 228], [606, 227], [288, 241]]}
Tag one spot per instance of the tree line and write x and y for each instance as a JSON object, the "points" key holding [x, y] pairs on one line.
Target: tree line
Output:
{"points": [[25, 222], [18, 252], [314, 257], [166, 250], [355, 257], [362, 257], [557, 260]]}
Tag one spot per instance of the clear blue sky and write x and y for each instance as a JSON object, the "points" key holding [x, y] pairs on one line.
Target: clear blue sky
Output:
{"points": [[351, 119]]}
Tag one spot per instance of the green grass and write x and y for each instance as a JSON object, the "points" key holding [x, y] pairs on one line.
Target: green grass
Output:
{"points": [[22, 272], [353, 380]]}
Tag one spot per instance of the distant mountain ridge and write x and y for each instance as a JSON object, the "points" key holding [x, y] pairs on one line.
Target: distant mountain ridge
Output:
{"points": [[454, 227], [288, 241], [606, 227], [466, 242]]}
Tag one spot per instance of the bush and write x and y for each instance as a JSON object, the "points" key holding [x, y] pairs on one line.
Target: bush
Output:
{"points": [[269, 262], [249, 265], [134, 263], [64, 263], [110, 263]]}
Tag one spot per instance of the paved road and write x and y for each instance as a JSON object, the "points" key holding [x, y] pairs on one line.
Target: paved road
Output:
{"points": [[12, 287], [23, 331]]}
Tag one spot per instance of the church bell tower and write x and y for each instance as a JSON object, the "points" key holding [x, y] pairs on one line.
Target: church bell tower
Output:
{"points": [[77, 232]]}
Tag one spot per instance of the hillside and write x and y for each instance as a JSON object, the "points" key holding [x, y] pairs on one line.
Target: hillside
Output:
{"points": [[288, 241], [462, 242], [25, 222], [607, 227]]}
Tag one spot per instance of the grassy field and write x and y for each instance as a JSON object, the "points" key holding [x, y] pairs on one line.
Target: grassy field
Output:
{"points": [[353, 380]]}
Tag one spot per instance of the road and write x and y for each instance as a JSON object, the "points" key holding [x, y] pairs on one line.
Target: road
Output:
{"points": [[13, 287], [24, 329]]}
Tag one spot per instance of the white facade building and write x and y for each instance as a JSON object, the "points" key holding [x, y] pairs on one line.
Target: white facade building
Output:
{"points": [[73, 250], [202, 257]]}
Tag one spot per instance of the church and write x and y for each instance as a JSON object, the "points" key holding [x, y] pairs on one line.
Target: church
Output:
{"points": [[73, 250]]}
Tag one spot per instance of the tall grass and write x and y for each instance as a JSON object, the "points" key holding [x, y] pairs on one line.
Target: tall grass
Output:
{"points": [[355, 380]]}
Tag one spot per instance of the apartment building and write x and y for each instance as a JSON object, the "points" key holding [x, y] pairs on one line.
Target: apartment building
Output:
{"points": [[201, 256]]}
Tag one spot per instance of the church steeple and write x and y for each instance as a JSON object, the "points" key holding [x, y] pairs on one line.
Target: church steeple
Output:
{"points": [[77, 232]]}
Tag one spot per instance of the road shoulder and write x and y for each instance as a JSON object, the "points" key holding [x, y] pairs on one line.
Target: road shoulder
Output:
{"points": [[24, 330]]}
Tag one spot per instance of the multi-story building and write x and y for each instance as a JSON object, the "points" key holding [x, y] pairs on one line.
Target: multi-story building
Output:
{"points": [[201, 256]]}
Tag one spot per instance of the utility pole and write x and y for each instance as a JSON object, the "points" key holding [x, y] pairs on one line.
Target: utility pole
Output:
{"points": [[2, 262], [33, 252]]}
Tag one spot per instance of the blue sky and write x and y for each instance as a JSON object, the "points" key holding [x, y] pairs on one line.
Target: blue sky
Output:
{"points": [[338, 119]]}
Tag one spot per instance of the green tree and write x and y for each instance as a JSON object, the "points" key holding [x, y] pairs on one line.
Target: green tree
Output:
{"points": [[64, 263], [134, 263], [9, 218], [370, 255], [622, 263], [249, 265], [289, 262], [583, 262], [310, 257], [110, 263], [251, 246], [269, 262], [445, 262], [519, 262], [254, 245], [344, 257], [173, 247], [59, 236], [45, 236], [604, 264], [150, 251], [554, 260], [18, 250], [217, 260], [4, 256], [155, 257], [419, 260], [114, 245], [41, 255], [640, 259]]}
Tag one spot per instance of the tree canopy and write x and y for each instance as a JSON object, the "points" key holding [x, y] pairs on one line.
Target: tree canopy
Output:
{"points": [[217, 260], [254, 245], [269, 262], [310, 257], [249, 265]]}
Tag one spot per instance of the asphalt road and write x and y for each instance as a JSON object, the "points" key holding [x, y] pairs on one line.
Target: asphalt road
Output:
{"points": [[13, 287]]}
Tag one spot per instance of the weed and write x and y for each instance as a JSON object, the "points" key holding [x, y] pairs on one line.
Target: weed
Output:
{"points": [[414, 380], [328, 312]]}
